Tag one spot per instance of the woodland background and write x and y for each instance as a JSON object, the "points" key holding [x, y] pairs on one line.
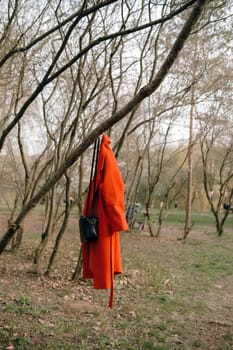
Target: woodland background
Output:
{"points": [[73, 70], [156, 76]]}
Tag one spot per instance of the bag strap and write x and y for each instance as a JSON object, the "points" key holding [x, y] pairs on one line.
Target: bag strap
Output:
{"points": [[97, 146], [93, 169]]}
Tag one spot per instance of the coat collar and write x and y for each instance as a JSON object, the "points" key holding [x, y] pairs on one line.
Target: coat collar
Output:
{"points": [[105, 139]]}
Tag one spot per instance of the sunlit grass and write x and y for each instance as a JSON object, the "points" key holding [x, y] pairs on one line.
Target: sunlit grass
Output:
{"points": [[197, 218]]}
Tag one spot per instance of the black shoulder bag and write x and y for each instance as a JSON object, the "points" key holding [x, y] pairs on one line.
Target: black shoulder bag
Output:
{"points": [[88, 225]]}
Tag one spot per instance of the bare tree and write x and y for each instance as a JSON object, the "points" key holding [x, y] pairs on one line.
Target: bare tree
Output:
{"points": [[54, 70], [217, 159], [171, 187]]}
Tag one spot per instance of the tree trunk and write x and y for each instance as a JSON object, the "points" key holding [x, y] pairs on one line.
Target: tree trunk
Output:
{"points": [[78, 268], [160, 221], [63, 227], [188, 223], [148, 218], [45, 235]]}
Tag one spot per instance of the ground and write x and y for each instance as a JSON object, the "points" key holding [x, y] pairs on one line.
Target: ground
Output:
{"points": [[170, 296]]}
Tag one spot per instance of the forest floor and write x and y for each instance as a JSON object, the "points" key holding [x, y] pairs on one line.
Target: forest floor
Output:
{"points": [[171, 295]]}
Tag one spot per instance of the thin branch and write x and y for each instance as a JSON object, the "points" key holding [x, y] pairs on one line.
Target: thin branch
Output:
{"points": [[79, 14], [46, 80]]}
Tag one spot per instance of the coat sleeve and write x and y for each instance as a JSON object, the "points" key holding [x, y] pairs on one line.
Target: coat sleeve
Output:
{"points": [[112, 190]]}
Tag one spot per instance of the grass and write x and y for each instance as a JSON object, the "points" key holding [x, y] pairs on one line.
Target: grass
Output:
{"points": [[168, 298], [197, 218], [213, 261], [40, 209], [174, 216], [228, 336]]}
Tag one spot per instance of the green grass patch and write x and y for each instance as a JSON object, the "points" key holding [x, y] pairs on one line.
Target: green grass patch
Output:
{"points": [[14, 341], [228, 336], [23, 306], [197, 218]]}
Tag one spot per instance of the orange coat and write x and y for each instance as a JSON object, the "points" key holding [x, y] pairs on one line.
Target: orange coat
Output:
{"points": [[102, 259]]}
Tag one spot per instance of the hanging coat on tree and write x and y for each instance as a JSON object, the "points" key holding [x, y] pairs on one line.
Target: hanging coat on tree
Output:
{"points": [[102, 259]]}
